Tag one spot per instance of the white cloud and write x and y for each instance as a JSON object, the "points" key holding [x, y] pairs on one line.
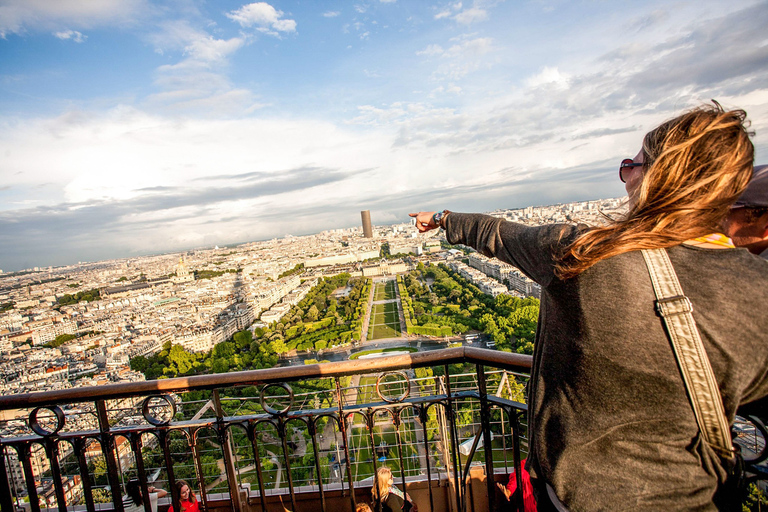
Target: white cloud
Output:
{"points": [[209, 49], [19, 16], [431, 50], [74, 35], [471, 48], [198, 82], [548, 76], [263, 16], [462, 58], [472, 15], [331, 14], [468, 16]]}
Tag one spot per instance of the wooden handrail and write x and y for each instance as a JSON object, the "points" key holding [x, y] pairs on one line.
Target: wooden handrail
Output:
{"points": [[494, 358]]}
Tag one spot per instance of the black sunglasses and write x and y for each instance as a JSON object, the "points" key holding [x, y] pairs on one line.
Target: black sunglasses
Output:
{"points": [[627, 163]]}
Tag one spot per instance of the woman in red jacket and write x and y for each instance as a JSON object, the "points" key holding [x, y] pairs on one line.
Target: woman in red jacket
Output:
{"points": [[188, 501]]}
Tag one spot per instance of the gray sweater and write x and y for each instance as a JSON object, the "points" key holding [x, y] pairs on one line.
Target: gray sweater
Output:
{"points": [[610, 424]]}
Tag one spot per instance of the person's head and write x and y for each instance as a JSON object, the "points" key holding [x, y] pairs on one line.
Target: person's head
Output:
{"points": [[700, 160], [133, 490], [747, 222], [185, 491], [693, 168], [383, 482], [362, 507]]}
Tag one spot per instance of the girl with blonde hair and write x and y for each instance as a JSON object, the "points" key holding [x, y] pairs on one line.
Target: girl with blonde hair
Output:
{"points": [[384, 491], [610, 422]]}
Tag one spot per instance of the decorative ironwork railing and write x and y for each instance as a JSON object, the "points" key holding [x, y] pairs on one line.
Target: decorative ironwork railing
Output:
{"points": [[244, 436]]}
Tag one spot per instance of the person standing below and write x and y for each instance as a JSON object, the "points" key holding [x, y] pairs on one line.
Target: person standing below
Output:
{"points": [[384, 491], [611, 426], [187, 499], [134, 501], [747, 222]]}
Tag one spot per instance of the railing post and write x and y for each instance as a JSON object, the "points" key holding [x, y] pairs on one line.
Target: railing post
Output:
{"points": [[52, 452], [135, 440], [85, 476], [108, 448], [25, 451], [199, 465], [454, 442], [398, 422], [370, 422], [229, 463], [515, 419], [252, 434], [424, 417], [282, 430], [6, 497], [165, 443], [485, 422], [343, 427], [313, 432]]}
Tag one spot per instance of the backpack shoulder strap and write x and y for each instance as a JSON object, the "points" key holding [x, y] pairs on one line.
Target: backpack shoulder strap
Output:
{"points": [[700, 383]]}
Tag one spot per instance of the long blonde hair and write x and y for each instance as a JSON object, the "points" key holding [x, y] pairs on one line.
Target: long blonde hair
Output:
{"points": [[696, 166], [381, 485]]}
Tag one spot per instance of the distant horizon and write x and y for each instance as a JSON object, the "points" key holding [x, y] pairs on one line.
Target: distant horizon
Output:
{"points": [[132, 126], [45, 268]]}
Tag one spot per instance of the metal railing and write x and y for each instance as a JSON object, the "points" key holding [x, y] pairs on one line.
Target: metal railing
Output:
{"points": [[296, 433], [248, 437]]}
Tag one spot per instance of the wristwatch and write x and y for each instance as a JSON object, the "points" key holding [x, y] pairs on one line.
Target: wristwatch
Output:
{"points": [[438, 218]]}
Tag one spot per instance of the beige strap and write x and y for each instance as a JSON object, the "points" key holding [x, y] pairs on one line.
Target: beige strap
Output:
{"points": [[703, 391]]}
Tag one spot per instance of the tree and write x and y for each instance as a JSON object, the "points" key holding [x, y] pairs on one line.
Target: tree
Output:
{"points": [[243, 339], [223, 350], [220, 365], [60, 340], [139, 364], [179, 361]]}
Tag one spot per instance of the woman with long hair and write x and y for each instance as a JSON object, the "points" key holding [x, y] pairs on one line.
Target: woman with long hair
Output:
{"points": [[384, 491], [187, 500], [611, 426], [133, 501]]}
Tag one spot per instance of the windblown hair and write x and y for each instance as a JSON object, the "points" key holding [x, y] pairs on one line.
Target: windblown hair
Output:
{"points": [[696, 166], [133, 489], [380, 487]]}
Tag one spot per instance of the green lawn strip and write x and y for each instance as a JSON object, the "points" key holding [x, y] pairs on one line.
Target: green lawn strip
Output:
{"points": [[377, 350], [384, 331], [385, 321]]}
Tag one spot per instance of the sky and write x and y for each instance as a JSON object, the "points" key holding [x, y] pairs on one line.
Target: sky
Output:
{"points": [[132, 127]]}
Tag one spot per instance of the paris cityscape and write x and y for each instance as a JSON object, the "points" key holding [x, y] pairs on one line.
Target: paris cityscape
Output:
{"points": [[115, 310], [210, 285], [108, 322]]}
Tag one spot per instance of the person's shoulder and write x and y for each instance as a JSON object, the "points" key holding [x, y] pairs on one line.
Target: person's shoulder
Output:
{"points": [[738, 256]]}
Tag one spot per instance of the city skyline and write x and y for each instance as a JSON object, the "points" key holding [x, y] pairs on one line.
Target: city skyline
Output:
{"points": [[136, 127]]}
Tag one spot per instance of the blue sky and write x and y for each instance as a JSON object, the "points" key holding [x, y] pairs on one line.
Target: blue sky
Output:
{"points": [[130, 127]]}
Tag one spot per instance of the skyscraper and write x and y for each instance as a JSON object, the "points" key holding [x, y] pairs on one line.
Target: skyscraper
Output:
{"points": [[367, 229]]}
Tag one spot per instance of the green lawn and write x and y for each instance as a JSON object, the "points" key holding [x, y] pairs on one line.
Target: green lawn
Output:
{"points": [[384, 322], [385, 291]]}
